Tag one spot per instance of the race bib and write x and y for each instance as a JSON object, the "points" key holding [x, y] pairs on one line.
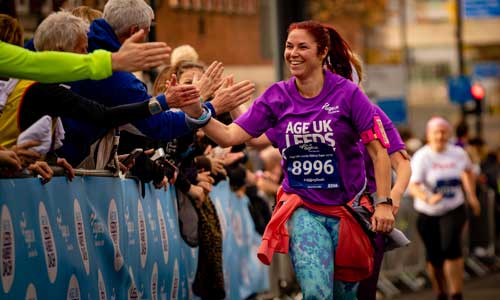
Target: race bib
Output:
{"points": [[447, 187], [312, 166]]}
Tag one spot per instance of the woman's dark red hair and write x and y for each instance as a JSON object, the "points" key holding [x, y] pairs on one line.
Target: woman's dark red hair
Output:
{"points": [[338, 59]]}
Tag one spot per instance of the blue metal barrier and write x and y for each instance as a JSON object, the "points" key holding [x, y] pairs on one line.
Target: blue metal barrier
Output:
{"points": [[97, 238]]}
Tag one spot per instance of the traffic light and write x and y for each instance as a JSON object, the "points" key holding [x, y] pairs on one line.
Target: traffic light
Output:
{"points": [[478, 93]]}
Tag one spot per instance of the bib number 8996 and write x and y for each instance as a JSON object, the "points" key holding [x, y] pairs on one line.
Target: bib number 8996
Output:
{"points": [[317, 167]]}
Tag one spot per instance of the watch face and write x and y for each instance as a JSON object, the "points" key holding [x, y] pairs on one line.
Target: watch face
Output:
{"points": [[154, 107]]}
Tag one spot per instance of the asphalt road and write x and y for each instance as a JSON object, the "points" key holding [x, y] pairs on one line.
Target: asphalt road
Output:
{"points": [[483, 288]]}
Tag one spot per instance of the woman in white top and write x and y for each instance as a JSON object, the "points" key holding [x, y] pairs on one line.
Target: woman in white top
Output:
{"points": [[440, 171]]}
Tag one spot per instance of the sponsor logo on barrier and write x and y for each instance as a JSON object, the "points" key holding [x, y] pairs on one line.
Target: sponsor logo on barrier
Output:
{"points": [[73, 289], [163, 231], [101, 286], [130, 226], [80, 235], [31, 292], [143, 235], [237, 228], [154, 282], [152, 223], [49, 247], [64, 230], [29, 236], [133, 293], [174, 293], [114, 232], [7, 249], [97, 228]]}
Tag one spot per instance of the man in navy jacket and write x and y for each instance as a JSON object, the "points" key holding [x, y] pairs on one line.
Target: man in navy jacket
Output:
{"points": [[121, 20]]}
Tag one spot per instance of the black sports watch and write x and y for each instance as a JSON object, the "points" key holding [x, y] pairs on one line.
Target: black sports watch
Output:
{"points": [[154, 106], [383, 200]]}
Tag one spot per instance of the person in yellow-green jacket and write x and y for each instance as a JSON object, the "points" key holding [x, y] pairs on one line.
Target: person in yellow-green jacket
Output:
{"points": [[51, 67]]}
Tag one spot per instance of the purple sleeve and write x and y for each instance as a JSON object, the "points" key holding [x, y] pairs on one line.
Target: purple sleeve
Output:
{"points": [[396, 143], [258, 118], [362, 111]]}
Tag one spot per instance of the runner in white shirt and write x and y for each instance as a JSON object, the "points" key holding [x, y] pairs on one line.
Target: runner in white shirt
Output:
{"points": [[440, 171]]}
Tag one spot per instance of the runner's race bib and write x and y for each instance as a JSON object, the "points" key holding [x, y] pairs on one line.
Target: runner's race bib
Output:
{"points": [[447, 187], [312, 166]]}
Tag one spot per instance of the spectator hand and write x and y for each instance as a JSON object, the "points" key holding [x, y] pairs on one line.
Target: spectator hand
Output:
{"points": [[184, 96], [382, 219], [217, 166], [134, 55], [41, 168], [65, 164], [205, 177], [207, 187], [232, 157], [9, 158], [210, 81], [230, 96], [197, 193], [162, 184], [26, 155]]}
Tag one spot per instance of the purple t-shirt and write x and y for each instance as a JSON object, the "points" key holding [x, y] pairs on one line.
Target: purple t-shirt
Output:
{"points": [[317, 137], [396, 144]]}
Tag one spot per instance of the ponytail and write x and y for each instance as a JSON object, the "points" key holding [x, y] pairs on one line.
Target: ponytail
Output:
{"points": [[339, 57]]}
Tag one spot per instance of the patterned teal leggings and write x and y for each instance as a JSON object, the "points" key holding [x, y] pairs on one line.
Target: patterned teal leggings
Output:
{"points": [[313, 240]]}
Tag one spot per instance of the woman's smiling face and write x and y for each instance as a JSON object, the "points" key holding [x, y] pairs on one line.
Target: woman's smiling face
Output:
{"points": [[301, 53]]}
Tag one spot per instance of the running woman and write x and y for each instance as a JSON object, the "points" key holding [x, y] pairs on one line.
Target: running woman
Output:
{"points": [[317, 117], [440, 170]]}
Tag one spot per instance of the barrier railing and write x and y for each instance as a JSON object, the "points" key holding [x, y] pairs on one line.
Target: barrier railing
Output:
{"points": [[97, 238]]}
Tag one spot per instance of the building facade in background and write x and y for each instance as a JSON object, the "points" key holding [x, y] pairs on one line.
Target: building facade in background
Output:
{"points": [[413, 37]]}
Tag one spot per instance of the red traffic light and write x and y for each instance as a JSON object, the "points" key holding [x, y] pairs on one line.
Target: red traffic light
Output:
{"points": [[477, 91]]}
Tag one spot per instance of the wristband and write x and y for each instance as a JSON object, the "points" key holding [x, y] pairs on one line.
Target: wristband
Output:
{"points": [[201, 121]]}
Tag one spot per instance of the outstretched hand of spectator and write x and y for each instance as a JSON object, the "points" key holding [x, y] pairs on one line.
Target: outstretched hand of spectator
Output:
{"points": [[210, 81], [184, 96], [134, 55], [232, 157], [230, 96]]}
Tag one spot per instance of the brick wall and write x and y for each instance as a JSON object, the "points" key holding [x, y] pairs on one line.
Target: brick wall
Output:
{"points": [[234, 39]]}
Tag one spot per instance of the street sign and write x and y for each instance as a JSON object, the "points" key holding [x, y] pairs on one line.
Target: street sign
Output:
{"points": [[486, 69], [479, 9], [459, 89], [395, 109]]}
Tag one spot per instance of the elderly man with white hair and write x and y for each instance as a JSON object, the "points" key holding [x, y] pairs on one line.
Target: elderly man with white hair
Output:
{"points": [[121, 19]]}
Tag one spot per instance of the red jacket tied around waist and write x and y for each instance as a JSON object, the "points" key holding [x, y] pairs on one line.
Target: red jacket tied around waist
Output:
{"points": [[354, 253]]}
